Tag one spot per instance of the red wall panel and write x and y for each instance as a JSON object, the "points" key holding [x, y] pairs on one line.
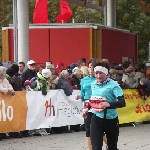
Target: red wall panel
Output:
{"points": [[117, 44], [69, 45], [11, 44], [39, 45]]}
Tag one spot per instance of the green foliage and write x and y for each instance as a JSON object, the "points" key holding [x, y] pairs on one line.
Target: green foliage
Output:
{"points": [[130, 17], [5, 18]]}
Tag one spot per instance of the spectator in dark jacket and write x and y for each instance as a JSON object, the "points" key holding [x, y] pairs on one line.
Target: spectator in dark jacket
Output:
{"points": [[144, 88], [30, 72], [63, 83], [16, 81], [70, 77], [28, 75]]}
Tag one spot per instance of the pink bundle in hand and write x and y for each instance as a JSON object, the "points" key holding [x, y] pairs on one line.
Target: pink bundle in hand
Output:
{"points": [[27, 82]]}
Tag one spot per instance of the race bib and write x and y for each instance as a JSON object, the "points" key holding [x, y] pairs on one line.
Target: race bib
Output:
{"points": [[95, 102]]}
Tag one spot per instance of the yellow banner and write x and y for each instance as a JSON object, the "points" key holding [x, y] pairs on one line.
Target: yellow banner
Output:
{"points": [[136, 110]]}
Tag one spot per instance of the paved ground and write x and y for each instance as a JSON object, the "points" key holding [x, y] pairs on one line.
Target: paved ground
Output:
{"points": [[131, 138]]}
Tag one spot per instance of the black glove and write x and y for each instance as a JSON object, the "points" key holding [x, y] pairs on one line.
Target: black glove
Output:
{"points": [[44, 92]]}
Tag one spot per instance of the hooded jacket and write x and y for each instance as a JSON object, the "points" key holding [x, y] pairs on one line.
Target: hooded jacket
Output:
{"points": [[63, 84], [42, 83]]}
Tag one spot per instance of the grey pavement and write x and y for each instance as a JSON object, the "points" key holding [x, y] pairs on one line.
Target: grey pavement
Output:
{"points": [[131, 138]]}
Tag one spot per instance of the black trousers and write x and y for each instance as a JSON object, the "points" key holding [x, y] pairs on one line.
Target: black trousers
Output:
{"points": [[111, 129], [87, 122]]}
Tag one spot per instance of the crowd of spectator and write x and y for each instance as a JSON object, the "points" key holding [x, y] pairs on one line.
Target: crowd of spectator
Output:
{"points": [[43, 77]]}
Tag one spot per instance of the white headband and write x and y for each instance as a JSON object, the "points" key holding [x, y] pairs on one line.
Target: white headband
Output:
{"points": [[102, 69]]}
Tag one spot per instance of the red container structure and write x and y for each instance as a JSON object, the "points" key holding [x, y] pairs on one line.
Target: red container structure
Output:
{"points": [[68, 43]]}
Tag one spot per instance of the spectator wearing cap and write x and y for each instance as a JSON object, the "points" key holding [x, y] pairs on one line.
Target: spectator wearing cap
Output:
{"points": [[60, 67], [73, 65], [30, 72], [63, 83], [129, 78], [52, 68]]}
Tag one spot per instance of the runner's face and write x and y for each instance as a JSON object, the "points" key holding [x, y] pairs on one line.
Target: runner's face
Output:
{"points": [[100, 76]]}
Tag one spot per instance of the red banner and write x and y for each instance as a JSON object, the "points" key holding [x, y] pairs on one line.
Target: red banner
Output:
{"points": [[65, 12], [40, 14]]}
